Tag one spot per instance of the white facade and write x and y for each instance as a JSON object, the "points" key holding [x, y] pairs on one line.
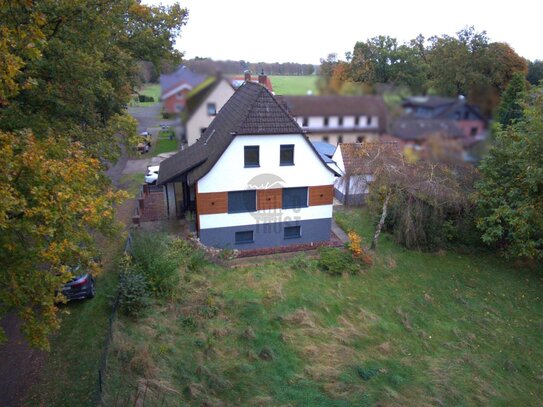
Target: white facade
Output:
{"points": [[230, 174], [200, 119], [349, 123]]}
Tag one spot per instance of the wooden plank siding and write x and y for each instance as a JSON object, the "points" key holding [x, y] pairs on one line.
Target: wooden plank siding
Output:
{"points": [[321, 195], [217, 202], [269, 199], [212, 202]]}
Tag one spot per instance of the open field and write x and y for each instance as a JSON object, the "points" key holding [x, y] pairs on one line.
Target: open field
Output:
{"points": [[149, 89], [415, 329], [294, 85]]}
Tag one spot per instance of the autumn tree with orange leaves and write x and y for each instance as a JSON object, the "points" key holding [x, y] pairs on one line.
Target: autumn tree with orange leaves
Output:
{"points": [[68, 68]]}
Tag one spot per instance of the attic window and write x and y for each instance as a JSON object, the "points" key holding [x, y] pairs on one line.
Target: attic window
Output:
{"points": [[252, 156], [287, 154], [211, 109]]}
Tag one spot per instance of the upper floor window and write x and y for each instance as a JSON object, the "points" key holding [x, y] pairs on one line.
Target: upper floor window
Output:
{"points": [[305, 121], [326, 122], [357, 120], [211, 109], [368, 120], [287, 154], [252, 156], [340, 121], [242, 201], [294, 198], [339, 139]]}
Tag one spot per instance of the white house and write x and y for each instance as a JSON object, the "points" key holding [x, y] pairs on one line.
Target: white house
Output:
{"points": [[337, 119], [253, 179], [203, 104]]}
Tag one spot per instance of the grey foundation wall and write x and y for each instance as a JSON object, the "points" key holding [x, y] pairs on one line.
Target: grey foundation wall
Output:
{"points": [[267, 234]]}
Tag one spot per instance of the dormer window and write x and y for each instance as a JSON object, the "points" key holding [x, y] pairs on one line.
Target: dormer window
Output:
{"points": [[286, 154], [252, 156], [211, 109]]}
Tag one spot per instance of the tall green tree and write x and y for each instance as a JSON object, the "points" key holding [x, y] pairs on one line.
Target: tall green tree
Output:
{"points": [[535, 72], [68, 68], [511, 104], [510, 193]]}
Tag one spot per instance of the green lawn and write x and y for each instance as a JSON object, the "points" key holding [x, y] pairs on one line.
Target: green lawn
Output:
{"points": [[150, 89], [132, 183], [69, 376], [294, 85], [415, 329], [164, 144]]}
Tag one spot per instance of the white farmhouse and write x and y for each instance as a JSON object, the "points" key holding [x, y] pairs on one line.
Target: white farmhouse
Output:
{"points": [[253, 179]]}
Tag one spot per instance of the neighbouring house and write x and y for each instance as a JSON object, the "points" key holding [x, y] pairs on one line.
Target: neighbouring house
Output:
{"points": [[339, 119], [175, 87], [263, 79], [203, 103], [357, 163], [467, 117], [417, 131], [253, 179]]}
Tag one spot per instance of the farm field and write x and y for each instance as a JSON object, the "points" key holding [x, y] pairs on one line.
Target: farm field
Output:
{"points": [[294, 85], [414, 329]]}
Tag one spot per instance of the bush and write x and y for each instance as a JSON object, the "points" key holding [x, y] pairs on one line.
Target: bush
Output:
{"points": [[133, 293], [145, 98], [299, 263], [336, 261], [158, 258], [196, 261]]}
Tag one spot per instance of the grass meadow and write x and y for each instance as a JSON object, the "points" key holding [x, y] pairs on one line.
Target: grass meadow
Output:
{"points": [[414, 329]]}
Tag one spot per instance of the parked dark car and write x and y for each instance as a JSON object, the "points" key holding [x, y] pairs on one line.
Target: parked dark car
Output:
{"points": [[80, 287]]}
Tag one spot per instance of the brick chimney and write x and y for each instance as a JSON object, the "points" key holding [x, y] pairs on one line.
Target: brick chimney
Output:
{"points": [[247, 75], [262, 79]]}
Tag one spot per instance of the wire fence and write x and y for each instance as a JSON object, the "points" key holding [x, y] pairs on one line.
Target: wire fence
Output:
{"points": [[109, 336]]}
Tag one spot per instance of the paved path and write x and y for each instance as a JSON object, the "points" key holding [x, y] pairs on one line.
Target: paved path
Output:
{"points": [[339, 232]]}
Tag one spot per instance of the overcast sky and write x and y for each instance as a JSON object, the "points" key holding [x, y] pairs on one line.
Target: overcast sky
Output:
{"points": [[304, 31]]}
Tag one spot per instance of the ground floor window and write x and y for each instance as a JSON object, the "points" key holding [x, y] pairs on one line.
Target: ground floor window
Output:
{"points": [[293, 232], [245, 236]]}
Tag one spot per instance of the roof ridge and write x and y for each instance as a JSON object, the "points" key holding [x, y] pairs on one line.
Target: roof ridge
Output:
{"points": [[253, 105]]}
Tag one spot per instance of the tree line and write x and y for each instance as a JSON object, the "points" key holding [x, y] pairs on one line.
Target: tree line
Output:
{"points": [[467, 64], [209, 66]]}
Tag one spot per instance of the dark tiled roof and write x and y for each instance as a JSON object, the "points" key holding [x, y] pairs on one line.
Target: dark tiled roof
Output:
{"points": [[336, 105], [362, 158], [428, 101], [182, 75], [252, 110], [410, 129]]}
